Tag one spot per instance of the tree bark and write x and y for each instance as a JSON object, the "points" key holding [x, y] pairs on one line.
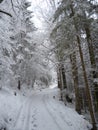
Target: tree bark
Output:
{"points": [[84, 74], [75, 79], [61, 79], [19, 85], [58, 77], [93, 64], [63, 76], [87, 85]]}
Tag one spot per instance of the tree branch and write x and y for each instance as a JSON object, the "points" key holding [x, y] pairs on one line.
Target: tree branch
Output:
{"points": [[5, 13]]}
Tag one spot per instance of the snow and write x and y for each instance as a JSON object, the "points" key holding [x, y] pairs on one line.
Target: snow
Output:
{"points": [[9, 104], [38, 110]]}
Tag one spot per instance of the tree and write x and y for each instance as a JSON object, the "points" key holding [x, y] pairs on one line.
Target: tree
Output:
{"points": [[75, 79], [72, 13], [29, 65]]}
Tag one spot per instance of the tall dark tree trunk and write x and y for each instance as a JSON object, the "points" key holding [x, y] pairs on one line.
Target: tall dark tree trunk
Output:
{"points": [[19, 85], [60, 82], [58, 78], [93, 64], [61, 79], [64, 83], [75, 79], [63, 76], [90, 103]]}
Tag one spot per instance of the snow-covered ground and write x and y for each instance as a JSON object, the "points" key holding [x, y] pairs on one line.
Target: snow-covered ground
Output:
{"points": [[39, 110]]}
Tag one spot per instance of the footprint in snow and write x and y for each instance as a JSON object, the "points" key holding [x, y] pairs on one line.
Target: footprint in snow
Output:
{"points": [[32, 122], [35, 125]]}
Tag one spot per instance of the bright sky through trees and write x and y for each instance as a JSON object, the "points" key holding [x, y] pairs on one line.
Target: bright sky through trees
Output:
{"points": [[43, 11], [38, 7]]}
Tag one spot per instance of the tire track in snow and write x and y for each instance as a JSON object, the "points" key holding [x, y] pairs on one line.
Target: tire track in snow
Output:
{"points": [[28, 117], [45, 104], [19, 113], [22, 122], [51, 104], [61, 114], [56, 115]]}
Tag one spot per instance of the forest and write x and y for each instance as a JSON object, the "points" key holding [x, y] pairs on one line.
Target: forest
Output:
{"points": [[46, 43]]}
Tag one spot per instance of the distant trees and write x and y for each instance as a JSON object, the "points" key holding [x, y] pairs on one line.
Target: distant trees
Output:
{"points": [[72, 39]]}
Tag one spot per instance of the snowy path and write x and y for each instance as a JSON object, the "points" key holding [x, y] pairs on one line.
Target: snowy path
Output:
{"points": [[41, 112], [23, 117]]}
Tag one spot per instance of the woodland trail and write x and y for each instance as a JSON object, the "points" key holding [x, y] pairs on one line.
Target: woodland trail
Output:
{"points": [[23, 117], [41, 111]]}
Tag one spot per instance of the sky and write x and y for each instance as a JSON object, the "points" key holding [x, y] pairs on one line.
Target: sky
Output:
{"points": [[38, 6], [43, 11]]}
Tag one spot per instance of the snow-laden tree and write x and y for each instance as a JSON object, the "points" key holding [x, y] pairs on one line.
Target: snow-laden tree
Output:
{"points": [[29, 65], [21, 58], [5, 48], [72, 34]]}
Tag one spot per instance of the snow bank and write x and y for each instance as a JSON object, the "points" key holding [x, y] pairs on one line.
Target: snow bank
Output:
{"points": [[9, 107], [71, 119]]}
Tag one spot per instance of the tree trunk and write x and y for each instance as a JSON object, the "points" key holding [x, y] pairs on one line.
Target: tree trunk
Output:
{"points": [[93, 64], [87, 85], [84, 74], [61, 83], [63, 76], [75, 79], [58, 78], [61, 79], [19, 85]]}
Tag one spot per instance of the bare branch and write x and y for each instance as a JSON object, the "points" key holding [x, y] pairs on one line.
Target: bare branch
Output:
{"points": [[5, 13]]}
